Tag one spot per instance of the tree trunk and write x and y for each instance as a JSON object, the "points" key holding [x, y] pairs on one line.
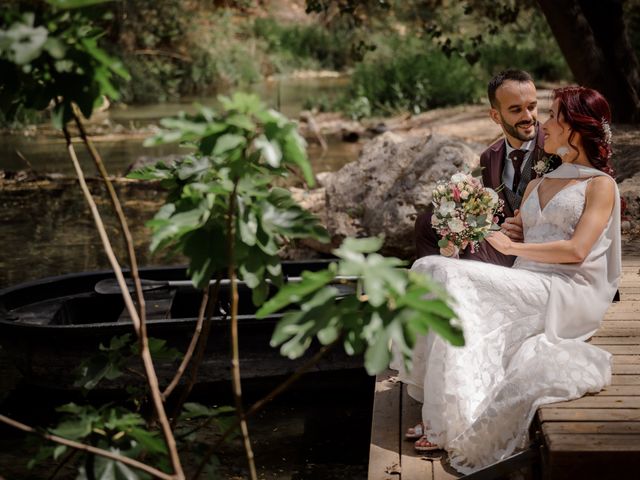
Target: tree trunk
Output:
{"points": [[593, 38]]}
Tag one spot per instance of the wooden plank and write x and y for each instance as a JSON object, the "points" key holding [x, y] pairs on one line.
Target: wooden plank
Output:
{"points": [[626, 350], [598, 339], [548, 414], [629, 294], [621, 323], [585, 442], [384, 450], [442, 470], [607, 331], [625, 306], [594, 401], [616, 315], [618, 428], [620, 390], [625, 380], [620, 359], [413, 465], [625, 368]]}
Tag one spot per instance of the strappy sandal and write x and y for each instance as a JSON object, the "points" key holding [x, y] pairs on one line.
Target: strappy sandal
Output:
{"points": [[424, 445], [415, 433]]}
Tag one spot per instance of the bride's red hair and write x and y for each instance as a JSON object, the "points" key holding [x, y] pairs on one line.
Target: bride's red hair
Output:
{"points": [[588, 113]]}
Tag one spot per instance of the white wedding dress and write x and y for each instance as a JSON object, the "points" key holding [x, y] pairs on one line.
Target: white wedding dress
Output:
{"points": [[524, 330]]}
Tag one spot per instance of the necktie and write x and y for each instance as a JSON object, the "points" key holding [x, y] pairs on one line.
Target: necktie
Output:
{"points": [[516, 157]]}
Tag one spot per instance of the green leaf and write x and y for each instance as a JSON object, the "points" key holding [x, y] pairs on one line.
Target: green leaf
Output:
{"points": [[64, 4], [294, 151], [59, 450], [294, 292], [270, 150], [74, 429], [435, 315], [228, 141], [148, 440], [241, 121], [378, 355], [358, 245]]}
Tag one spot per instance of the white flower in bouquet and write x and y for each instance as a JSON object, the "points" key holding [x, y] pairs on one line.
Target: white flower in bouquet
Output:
{"points": [[459, 177], [494, 195], [456, 225], [447, 208]]}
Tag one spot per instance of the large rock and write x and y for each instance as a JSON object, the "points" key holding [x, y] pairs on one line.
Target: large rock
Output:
{"points": [[630, 193], [382, 192]]}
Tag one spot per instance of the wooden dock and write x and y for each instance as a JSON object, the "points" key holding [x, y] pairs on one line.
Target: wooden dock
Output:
{"points": [[594, 437]]}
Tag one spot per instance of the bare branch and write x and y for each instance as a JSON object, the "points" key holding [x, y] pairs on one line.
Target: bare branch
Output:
{"points": [[191, 348], [117, 207], [152, 378], [235, 359]]}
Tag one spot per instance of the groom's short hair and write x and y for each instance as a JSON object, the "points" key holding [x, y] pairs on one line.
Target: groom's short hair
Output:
{"points": [[500, 78]]}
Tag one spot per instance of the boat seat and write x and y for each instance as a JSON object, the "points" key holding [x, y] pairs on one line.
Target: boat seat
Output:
{"points": [[158, 304]]}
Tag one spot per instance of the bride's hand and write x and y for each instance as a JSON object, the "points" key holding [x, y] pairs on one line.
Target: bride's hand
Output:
{"points": [[500, 242], [449, 251]]}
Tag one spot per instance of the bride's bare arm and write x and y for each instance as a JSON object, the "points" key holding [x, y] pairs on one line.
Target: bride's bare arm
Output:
{"points": [[600, 197]]}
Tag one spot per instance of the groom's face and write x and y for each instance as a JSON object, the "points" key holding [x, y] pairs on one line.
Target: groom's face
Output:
{"points": [[516, 111]]}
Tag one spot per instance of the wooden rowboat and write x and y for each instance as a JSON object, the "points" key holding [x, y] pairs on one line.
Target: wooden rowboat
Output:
{"points": [[49, 326]]}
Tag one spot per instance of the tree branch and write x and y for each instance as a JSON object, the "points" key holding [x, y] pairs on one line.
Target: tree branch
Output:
{"points": [[152, 379], [235, 359], [89, 449], [117, 207], [202, 345]]}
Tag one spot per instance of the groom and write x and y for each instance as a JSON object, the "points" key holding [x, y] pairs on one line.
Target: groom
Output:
{"points": [[508, 162]]}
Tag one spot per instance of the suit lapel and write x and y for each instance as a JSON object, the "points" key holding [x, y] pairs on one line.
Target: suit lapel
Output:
{"points": [[497, 164]]}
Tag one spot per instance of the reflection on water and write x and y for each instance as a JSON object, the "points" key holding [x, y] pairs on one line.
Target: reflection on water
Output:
{"points": [[47, 229], [287, 95], [47, 154]]}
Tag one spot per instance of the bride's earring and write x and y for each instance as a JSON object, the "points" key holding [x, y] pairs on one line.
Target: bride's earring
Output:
{"points": [[562, 151]]}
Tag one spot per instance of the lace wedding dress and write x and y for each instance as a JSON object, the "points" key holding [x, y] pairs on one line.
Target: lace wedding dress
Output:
{"points": [[524, 329]]}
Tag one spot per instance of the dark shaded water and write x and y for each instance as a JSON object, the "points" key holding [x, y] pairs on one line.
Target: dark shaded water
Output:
{"points": [[317, 430]]}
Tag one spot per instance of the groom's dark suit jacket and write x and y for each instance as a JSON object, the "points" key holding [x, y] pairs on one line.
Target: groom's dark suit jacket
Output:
{"points": [[492, 160]]}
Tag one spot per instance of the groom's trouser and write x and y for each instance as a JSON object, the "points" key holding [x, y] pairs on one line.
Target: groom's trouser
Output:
{"points": [[427, 244]]}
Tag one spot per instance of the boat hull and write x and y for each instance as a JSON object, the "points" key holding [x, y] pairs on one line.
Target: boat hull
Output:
{"points": [[48, 327]]}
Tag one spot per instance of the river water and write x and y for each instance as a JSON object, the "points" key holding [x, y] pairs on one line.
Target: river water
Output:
{"points": [[46, 226]]}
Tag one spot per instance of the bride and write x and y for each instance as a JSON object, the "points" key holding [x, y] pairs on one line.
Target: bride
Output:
{"points": [[525, 326]]}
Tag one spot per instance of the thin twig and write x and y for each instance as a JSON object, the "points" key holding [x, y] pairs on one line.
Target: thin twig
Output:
{"points": [[88, 448], [235, 359], [202, 345], [117, 207], [259, 405], [190, 349], [152, 378], [65, 460], [202, 312]]}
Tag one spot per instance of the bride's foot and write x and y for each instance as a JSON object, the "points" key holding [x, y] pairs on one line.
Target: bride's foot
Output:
{"points": [[424, 445], [415, 433]]}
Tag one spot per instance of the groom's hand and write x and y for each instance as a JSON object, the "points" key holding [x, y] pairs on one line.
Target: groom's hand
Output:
{"points": [[512, 227]]}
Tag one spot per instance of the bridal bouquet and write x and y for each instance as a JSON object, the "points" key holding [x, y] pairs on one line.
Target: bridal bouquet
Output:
{"points": [[464, 212]]}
